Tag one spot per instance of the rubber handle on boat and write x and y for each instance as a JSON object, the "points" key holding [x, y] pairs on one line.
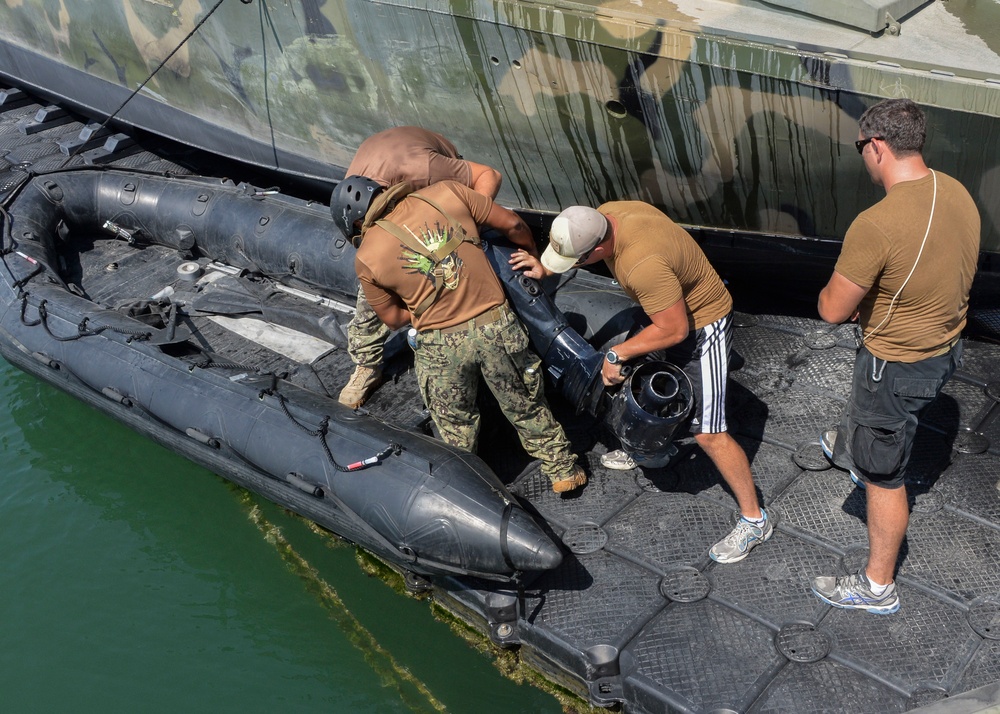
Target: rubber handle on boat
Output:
{"points": [[303, 485]]}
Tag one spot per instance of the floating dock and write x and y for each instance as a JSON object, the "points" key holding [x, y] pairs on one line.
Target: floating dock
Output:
{"points": [[637, 616]]}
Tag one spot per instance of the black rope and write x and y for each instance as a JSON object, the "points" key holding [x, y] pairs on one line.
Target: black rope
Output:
{"points": [[208, 363], [323, 425], [321, 434], [266, 15], [9, 247], [82, 329], [29, 172], [24, 313], [38, 270], [164, 62]]}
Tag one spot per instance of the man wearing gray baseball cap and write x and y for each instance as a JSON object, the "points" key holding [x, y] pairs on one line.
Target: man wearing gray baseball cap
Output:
{"points": [[690, 310]]}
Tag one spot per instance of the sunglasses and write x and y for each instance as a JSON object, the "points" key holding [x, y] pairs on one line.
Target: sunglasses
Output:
{"points": [[862, 143], [583, 258]]}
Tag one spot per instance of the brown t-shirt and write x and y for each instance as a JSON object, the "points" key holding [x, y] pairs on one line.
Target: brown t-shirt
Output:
{"points": [[409, 153], [657, 263], [386, 267], [880, 250]]}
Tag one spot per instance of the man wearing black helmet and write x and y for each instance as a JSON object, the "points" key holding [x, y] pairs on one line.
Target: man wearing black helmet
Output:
{"points": [[401, 154], [420, 262]]}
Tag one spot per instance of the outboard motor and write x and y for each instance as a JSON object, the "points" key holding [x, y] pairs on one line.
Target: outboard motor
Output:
{"points": [[573, 365], [644, 413], [652, 402]]}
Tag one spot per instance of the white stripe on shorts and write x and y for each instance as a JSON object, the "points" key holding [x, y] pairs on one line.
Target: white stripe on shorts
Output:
{"points": [[716, 340]]}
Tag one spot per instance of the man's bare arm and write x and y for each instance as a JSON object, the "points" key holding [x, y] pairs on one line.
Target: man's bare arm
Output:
{"points": [[670, 327], [512, 226], [839, 300], [485, 179], [530, 264]]}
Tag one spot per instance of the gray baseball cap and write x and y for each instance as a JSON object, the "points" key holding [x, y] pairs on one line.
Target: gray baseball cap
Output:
{"points": [[574, 233]]}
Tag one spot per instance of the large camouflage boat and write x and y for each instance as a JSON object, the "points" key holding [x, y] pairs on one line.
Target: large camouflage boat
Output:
{"points": [[734, 116]]}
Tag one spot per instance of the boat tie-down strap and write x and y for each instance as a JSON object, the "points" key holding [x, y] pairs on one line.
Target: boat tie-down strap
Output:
{"points": [[508, 509], [206, 361]]}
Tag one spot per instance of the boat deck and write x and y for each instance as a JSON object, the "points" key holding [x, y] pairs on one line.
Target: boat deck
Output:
{"points": [[638, 616]]}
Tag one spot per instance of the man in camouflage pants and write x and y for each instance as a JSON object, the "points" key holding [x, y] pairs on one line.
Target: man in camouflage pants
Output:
{"points": [[420, 157], [423, 264]]}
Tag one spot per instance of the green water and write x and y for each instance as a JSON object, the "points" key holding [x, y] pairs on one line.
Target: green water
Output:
{"points": [[135, 581]]}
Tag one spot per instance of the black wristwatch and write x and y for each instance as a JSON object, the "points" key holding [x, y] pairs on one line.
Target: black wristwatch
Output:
{"points": [[612, 357]]}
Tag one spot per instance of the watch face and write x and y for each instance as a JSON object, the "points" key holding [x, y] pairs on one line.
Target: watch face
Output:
{"points": [[612, 357]]}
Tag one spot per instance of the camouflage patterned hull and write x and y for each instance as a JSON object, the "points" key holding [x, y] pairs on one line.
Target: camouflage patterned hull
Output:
{"points": [[729, 115]]}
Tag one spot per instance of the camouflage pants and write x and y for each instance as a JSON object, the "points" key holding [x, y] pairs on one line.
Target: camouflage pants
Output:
{"points": [[448, 366], [366, 335]]}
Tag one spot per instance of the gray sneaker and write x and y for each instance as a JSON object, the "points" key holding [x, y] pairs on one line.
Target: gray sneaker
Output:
{"points": [[741, 540], [827, 440], [852, 592], [618, 460]]}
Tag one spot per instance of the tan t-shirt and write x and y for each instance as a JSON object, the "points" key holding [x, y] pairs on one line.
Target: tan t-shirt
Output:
{"points": [[880, 249], [657, 263], [386, 267], [409, 153]]}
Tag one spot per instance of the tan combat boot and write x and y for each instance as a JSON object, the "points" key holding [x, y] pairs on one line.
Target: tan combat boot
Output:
{"points": [[576, 478], [360, 385]]}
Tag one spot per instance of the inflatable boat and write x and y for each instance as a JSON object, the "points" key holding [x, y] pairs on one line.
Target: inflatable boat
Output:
{"points": [[202, 314]]}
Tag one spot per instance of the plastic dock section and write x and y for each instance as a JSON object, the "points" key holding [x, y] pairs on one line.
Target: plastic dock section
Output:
{"points": [[639, 614]]}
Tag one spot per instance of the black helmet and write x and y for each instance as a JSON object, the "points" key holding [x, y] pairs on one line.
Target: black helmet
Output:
{"points": [[350, 201]]}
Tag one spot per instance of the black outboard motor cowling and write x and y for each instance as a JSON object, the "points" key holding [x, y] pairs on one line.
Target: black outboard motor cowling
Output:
{"points": [[571, 362], [644, 414]]}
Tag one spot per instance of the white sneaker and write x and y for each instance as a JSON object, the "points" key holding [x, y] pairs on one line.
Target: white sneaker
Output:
{"points": [[618, 460], [741, 540], [853, 592]]}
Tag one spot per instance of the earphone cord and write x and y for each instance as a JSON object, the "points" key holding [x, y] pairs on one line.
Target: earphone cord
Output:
{"points": [[892, 303]]}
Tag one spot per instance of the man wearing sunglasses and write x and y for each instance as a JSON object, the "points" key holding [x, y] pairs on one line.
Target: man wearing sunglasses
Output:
{"points": [[904, 274], [659, 265]]}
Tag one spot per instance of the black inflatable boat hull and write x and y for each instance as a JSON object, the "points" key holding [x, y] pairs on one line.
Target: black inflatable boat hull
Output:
{"points": [[425, 506]]}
